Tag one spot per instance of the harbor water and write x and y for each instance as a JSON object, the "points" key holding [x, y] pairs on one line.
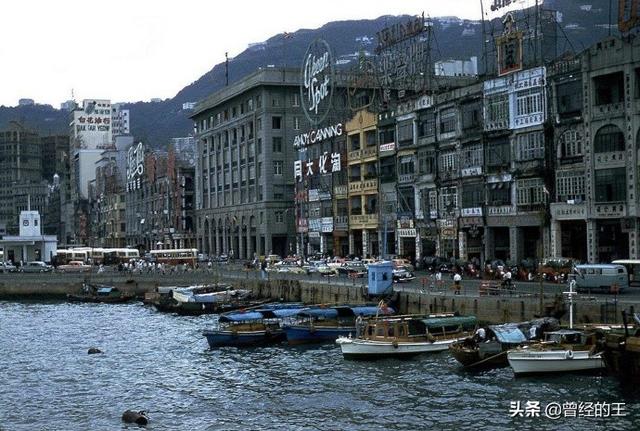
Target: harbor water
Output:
{"points": [[161, 363]]}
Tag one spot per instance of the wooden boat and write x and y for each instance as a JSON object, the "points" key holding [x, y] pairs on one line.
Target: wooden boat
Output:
{"points": [[322, 324], [499, 339], [100, 293], [565, 350], [621, 352], [400, 336], [200, 299], [252, 327]]}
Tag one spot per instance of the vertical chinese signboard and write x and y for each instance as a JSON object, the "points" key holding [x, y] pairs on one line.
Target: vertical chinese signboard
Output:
{"points": [[628, 15]]}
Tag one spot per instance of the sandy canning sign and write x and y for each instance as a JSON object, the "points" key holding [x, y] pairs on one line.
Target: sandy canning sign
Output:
{"points": [[318, 76]]}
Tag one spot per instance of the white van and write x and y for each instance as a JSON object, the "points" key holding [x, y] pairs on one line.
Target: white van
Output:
{"points": [[609, 278]]}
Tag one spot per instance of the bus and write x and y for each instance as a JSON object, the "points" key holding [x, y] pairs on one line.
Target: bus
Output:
{"points": [[114, 256], [633, 269], [64, 256], [176, 256]]}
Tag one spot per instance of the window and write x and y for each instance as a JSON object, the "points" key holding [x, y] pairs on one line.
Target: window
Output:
{"points": [[530, 146], [277, 167], [472, 195], [608, 138], [448, 199], [354, 173], [388, 169], [259, 145], [471, 115], [277, 144], [386, 136], [609, 88], [448, 120], [405, 133], [426, 161], [530, 191], [356, 205], [571, 143], [499, 153], [448, 163], [295, 99], [279, 215], [499, 194], [570, 185], [406, 200], [497, 112], [354, 142], [471, 156], [275, 101], [296, 123], [406, 166], [569, 98], [610, 185], [278, 192], [370, 138], [427, 124], [529, 102], [276, 123]]}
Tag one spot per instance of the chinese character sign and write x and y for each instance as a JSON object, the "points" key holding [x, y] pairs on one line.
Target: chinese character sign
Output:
{"points": [[325, 164]]}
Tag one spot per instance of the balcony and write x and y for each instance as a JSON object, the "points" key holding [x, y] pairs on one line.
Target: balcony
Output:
{"points": [[358, 156], [340, 192], [341, 223], [406, 178], [364, 221], [363, 186]]}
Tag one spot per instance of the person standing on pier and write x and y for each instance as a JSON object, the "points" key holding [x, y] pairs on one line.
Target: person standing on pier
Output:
{"points": [[457, 278]]}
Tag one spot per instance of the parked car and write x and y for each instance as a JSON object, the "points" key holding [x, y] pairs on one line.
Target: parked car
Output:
{"points": [[75, 266], [7, 267], [402, 274], [36, 266], [353, 269], [397, 263]]}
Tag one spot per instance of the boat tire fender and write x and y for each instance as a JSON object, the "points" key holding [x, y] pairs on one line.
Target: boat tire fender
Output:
{"points": [[395, 344], [569, 354]]}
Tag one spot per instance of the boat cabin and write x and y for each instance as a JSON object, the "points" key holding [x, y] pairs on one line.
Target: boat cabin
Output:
{"points": [[569, 336], [418, 327]]}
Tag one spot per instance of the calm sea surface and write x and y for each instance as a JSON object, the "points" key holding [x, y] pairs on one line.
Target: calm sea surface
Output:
{"points": [[161, 363]]}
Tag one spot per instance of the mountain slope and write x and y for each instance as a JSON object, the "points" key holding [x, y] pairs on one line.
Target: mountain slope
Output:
{"points": [[583, 23]]}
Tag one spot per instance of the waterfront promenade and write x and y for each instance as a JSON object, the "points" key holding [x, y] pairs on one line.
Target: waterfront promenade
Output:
{"points": [[421, 295]]}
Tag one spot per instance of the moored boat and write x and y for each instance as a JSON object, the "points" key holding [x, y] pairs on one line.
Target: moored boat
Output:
{"points": [[252, 327], [621, 352], [565, 350], [100, 293], [322, 324], [489, 350], [399, 336], [199, 299]]}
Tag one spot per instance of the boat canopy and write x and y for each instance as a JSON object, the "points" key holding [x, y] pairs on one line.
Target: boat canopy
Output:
{"points": [[343, 311], [258, 315], [439, 322], [105, 290], [508, 333]]}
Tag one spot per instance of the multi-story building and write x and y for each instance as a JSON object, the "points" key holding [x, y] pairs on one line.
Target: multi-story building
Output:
{"points": [[159, 196], [362, 162], [23, 186], [244, 180], [119, 120]]}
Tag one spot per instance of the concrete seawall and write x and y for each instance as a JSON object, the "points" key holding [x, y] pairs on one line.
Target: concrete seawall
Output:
{"points": [[494, 309]]}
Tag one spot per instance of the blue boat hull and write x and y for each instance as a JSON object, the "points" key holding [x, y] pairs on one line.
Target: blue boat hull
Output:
{"points": [[303, 334], [242, 339]]}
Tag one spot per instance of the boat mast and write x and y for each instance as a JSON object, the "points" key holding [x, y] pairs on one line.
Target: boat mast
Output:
{"points": [[570, 294]]}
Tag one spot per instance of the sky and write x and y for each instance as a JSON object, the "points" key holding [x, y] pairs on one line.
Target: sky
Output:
{"points": [[131, 50]]}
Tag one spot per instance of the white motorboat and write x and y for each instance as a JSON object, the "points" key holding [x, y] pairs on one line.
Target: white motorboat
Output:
{"points": [[406, 336], [566, 350]]}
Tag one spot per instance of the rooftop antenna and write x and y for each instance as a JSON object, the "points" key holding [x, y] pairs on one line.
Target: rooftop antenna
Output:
{"points": [[226, 68]]}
